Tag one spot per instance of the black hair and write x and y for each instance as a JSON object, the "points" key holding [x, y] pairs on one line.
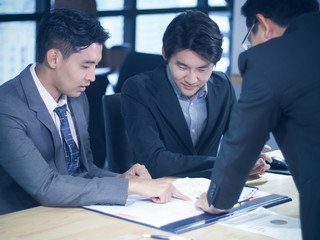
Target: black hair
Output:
{"points": [[196, 31], [69, 31], [279, 11]]}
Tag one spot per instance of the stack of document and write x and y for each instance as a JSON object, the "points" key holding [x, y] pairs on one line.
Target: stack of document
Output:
{"points": [[194, 187], [179, 216], [268, 223]]}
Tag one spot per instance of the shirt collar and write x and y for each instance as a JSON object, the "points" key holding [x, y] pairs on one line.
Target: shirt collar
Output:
{"points": [[48, 100], [202, 93]]}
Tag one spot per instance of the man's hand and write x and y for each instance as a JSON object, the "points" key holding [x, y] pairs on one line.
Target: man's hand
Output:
{"points": [[136, 171], [261, 166], [159, 190], [202, 204]]}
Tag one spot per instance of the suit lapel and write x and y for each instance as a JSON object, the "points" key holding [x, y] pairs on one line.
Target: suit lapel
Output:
{"points": [[79, 120], [210, 118], [168, 104], [37, 105], [216, 110]]}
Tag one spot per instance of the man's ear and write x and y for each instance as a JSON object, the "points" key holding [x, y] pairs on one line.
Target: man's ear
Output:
{"points": [[163, 54], [52, 57], [267, 25]]}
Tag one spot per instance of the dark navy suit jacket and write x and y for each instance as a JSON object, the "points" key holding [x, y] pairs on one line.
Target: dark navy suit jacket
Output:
{"points": [[157, 128], [280, 94]]}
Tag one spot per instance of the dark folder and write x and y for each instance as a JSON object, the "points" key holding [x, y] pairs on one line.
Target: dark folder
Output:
{"points": [[205, 219], [208, 219]]}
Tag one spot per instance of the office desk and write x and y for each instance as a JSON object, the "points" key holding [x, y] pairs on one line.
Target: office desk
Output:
{"points": [[42, 223]]}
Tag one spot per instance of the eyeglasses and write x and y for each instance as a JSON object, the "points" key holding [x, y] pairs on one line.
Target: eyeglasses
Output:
{"points": [[246, 44]]}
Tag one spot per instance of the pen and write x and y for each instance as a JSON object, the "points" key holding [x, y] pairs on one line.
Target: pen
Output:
{"points": [[165, 237]]}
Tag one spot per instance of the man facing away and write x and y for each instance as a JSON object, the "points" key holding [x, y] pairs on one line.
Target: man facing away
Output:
{"points": [[280, 94]]}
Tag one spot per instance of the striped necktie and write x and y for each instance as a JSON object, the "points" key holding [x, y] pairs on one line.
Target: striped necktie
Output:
{"points": [[71, 150]]}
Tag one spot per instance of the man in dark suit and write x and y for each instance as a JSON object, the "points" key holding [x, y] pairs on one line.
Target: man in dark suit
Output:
{"points": [[280, 94], [176, 114], [45, 156]]}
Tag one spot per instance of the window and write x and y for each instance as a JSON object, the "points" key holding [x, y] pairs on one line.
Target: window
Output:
{"points": [[115, 27], [150, 29], [17, 6], [220, 3], [139, 26], [17, 48], [103, 5], [222, 19], [147, 4]]}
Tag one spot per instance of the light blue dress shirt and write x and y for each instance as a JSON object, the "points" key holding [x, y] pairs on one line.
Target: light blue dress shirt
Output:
{"points": [[194, 110]]}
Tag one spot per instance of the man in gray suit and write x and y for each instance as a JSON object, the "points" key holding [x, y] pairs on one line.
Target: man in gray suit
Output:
{"points": [[280, 94], [39, 164]]}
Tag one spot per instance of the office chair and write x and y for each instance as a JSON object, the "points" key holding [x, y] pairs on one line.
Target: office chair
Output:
{"points": [[134, 63], [119, 154], [96, 125]]}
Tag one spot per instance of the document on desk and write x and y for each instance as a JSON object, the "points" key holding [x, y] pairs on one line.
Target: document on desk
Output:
{"points": [[268, 223], [194, 187], [177, 215], [147, 212]]}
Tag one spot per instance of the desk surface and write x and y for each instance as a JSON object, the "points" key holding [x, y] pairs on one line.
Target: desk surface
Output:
{"points": [[76, 223]]}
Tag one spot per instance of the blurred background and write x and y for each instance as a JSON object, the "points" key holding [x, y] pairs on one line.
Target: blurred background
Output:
{"points": [[135, 25]]}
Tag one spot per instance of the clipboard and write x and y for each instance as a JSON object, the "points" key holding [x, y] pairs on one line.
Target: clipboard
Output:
{"points": [[203, 219], [206, 219]]}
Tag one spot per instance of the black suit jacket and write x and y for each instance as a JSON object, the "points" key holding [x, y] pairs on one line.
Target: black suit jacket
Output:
{"points": [[158, 130], [280, 94]]}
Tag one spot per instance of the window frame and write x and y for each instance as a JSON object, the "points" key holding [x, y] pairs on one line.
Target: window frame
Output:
{"points": [[130, 13]]}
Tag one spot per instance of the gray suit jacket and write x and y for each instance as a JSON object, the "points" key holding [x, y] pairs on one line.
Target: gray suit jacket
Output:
{"points": [[32, 163]]}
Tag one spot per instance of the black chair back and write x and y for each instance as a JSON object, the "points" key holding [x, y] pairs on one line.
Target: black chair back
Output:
{"points": [[119, 154], [96, 126], [134, 63]]}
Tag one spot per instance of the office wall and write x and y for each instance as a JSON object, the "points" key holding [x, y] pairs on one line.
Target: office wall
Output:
{"points": [[239, 31]]}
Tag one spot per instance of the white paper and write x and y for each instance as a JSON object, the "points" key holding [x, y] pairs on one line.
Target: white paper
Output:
{"points": [[274, 153], [194, 187], [267, 223], [145, 211]]}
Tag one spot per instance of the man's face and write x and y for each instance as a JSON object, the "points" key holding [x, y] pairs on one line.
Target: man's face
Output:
{"points": [[76, 72], [189, 71]]}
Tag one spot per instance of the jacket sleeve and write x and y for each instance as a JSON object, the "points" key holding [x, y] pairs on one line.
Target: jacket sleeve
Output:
{"points": [[252, 119], [25, 164]]}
